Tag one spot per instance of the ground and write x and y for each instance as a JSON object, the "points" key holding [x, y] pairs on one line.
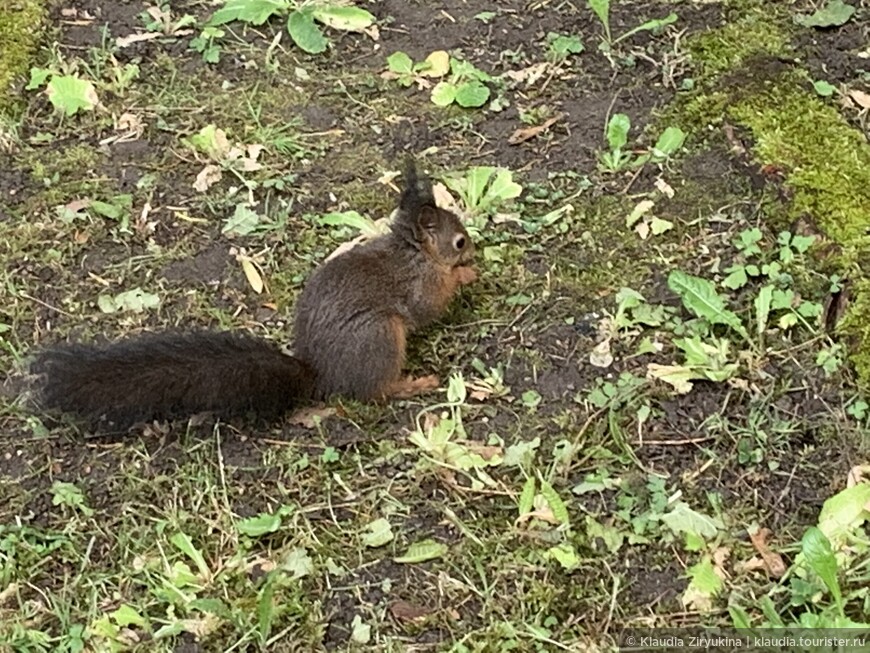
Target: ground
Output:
{"points": [[650, 393]]}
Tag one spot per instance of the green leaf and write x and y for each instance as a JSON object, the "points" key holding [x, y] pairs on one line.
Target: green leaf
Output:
{"points": [[242, 222], [305, 32], [255, 12], [683, 519], [762, 308], [266, 609], [820, 557], [259, 525], [502, 187], [844, 513], [736, 277], [602, 10], [348, 19], [739, 617], [443, 94], [37, 78], [834, 14], [565, 555], [298, 562], [617, 131], [134, 301], [183, 543], [802, 243], [700, 297], [422, 551], [126, 616], [361, 632], [401, 63], [650, 25], [560, 510], [378, 533], [350, 219], [527, 497], [561, 45], [824, 89], [703, 586], [531, 398], [471, 94], [658, 226], [669, 142], [69, 94]]}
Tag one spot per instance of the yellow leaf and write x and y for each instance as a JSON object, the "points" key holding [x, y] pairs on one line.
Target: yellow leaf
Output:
{"points": [[439, 64], [252, 274]]}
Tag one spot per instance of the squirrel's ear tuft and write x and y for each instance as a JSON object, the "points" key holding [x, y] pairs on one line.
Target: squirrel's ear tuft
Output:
{"points": [[417, 192], [416, 212]]}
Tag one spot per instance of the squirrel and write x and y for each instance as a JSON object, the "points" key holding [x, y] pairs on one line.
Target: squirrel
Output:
{"points": [[351, 323]]}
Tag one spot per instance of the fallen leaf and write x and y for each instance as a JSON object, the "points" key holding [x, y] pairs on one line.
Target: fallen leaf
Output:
{"points": [[860, 98], [772, 561], [720, 557], [404, 611], [126, 41], [529, 75], [487, 452], [527, 133], [676, 375], [664, 188], [251, 273], [208, 177], [445, 200], [753, 564], [600, 355], [857, 475], [77, 205], [307, 417]]}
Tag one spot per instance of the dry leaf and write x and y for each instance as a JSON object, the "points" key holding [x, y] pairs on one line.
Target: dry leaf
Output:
{"points": [[125, 41], [445, 200], [487, 452], [720, 557], [642, 230], [753, 564], [857, 475], [305, 417], [251, 273], [772, 561], [600, 355], [860, 98], [404, 611], [208, 177], [529, 75], [527, 133], [664, 188], [77, 205]]}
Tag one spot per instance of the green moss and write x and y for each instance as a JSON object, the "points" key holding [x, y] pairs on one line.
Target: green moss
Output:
{"points": [[723, 50], [856, 327], [20, 28], [826, 161]]}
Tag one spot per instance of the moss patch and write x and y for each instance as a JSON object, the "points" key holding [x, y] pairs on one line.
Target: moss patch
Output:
{"points": [[826, 161], [20, 29]]}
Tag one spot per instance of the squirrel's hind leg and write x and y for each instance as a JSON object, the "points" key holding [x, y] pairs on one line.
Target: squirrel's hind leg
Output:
{"points": [[411, 387]]}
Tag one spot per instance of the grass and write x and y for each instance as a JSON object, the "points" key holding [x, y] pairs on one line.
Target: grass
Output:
{"points": [[562, 489]]}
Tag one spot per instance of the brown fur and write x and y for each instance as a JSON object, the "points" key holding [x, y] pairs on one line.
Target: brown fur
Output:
{"points": [[352, 322]]}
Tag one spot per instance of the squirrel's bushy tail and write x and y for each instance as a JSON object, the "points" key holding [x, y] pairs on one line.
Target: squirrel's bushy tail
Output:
{"points": [[170, 375]]}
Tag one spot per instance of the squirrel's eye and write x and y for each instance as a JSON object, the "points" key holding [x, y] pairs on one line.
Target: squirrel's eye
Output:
{"points": [[459, 242]]}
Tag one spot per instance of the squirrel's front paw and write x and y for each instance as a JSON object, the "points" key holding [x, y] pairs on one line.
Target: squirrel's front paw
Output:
{"points": [[465, 274]]}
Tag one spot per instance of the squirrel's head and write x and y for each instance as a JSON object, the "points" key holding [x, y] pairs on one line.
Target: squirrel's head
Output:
{"points": [[434, 230]]}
